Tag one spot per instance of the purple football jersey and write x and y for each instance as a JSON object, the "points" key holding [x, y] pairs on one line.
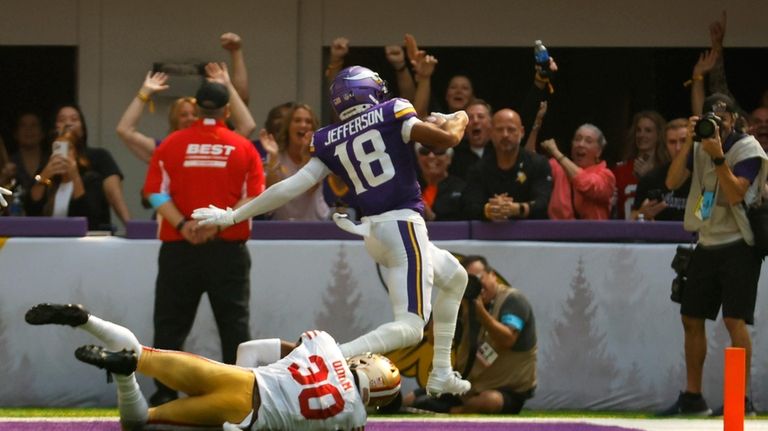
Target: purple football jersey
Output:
{"points": [[368, 152]]}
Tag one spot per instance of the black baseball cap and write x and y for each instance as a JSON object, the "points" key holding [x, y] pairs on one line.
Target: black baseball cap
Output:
{"points": [[212, 95], [720, 100]]}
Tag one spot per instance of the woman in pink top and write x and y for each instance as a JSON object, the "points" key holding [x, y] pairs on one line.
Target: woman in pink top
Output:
{"points": [[582, 184]]}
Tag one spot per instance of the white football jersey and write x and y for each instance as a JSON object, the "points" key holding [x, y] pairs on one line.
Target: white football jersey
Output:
{"points": [[311, 388]]}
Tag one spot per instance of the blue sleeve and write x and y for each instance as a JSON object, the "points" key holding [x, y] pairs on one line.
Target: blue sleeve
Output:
{"points": [[513, 321], [748, 168]]}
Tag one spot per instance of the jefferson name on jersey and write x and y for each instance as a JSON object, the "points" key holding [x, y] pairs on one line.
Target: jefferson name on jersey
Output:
{"points": [[354, 125]]}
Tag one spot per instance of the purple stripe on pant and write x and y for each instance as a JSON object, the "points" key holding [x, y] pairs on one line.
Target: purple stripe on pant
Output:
{"points": [[413, 279]]}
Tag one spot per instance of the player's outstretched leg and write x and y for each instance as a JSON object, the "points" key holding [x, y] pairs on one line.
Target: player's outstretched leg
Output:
{"points": [[450, 281], [57, 314], [131, 403], [114, 336], [122, 362]]}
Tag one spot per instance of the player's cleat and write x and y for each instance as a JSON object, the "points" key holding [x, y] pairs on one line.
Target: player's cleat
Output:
{"points": [[450, 383], [57, 314], [689, 405], [749, 409], [123, 362]]}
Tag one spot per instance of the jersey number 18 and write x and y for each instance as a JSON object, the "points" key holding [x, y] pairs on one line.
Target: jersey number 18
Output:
{"points": [[365, 161]]}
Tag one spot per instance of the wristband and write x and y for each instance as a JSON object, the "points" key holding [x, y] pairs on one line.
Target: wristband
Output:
{"points": [[718, 161], [146, 99], [180, 225], [44, 181], [693, 78]]}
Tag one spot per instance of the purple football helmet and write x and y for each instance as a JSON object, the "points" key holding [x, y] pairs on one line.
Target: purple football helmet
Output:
{"points": [[356, 89]]}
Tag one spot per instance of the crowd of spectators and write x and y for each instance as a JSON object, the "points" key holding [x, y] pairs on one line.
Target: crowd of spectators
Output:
{"points": [[501, 170]]}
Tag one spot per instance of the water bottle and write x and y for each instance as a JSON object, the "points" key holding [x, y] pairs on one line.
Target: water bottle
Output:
{"points": [[540, 54], [541, 58], [16, 206]]}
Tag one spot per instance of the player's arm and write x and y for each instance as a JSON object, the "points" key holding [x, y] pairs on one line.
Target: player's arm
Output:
{"points": [[440, 132], [272, 198], [256, 353]]}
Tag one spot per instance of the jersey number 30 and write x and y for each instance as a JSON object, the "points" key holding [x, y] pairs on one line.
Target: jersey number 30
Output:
{"points": [[366, 160], [316, 386]]}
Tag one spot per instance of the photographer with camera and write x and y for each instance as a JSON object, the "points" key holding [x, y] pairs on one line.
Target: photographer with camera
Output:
{"points": [[728, 169], [496, 348]]}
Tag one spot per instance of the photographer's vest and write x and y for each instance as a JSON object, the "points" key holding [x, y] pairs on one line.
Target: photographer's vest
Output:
{"points": [[727, 223], [512, 370]]}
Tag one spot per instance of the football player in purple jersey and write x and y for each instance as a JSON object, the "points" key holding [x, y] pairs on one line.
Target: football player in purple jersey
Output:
{"points": [[371, 149]]}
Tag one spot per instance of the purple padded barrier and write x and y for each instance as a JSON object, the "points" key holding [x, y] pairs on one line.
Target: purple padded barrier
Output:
{"points": [[524, 230], [141, 229], [581, 230], [449, 230], [147, 229], [299, 230], [43, 226]]}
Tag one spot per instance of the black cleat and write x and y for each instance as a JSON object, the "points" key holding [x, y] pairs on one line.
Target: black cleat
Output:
{"points": [[687, 404], [57, 314], [123, 362]]}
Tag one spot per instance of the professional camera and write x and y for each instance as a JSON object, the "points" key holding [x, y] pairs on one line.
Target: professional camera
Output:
{"points": [[680, 264], [707, 126], [474, 286]]}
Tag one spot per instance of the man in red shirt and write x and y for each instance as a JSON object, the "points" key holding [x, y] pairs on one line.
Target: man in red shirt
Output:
{"points": [[192, 167]]}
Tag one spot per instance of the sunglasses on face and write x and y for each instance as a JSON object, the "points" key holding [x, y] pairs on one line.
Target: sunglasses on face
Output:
{"points": [[425, 151]]}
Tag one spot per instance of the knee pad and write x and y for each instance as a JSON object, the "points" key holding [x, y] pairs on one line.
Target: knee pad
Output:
{"points": [[457, 282], [410, 327]]}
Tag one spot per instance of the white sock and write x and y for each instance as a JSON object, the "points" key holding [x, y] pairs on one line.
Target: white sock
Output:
{"points": [[444, 313], [114, 336], [403, 332], [131, 404]]}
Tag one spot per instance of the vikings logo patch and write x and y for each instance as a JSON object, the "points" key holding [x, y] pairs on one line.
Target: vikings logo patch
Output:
{"points": [[521, 177]]}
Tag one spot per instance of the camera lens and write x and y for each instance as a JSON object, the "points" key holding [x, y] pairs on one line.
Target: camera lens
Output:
{"points": [[705, 128]]}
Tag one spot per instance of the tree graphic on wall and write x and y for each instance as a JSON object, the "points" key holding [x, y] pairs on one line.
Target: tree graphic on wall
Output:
{"points": [[628, 333], [341, 303], [577, 363]]}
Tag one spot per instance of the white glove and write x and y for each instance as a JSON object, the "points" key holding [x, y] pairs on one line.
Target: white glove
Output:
{"points": [[3, 191], [214, 216]]}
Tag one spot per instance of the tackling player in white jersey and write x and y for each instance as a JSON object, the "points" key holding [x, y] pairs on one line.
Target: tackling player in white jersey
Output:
{"points": [[312, 387]]}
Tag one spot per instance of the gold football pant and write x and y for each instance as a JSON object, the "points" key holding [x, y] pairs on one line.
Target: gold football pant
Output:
{"points": [[217, 392]]}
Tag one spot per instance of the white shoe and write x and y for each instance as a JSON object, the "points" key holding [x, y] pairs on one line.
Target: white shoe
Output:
{"points": [[450, 383]]}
